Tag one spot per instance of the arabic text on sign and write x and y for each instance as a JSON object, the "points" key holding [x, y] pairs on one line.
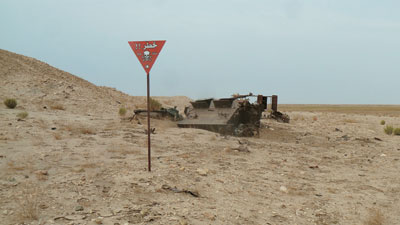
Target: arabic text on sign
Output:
{"points": [[150, 46]]}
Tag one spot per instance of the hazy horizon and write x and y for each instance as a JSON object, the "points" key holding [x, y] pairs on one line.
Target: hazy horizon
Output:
{"points": [[306, 52]]}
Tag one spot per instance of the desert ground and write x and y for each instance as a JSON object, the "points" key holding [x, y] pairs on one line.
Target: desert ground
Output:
{"points": [[75, 160]]}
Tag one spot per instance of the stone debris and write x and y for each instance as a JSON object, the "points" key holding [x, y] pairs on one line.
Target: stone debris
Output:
{"points": [[283, 189], [202, 172], [183, 221], [42, 172], [209, 216], [98, 220], [241, 148], [79, 208]]}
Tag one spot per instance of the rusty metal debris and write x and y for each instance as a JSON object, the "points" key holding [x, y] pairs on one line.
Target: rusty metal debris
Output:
{"points": [[171, 113], [233, 116], [278, 116], [177, 190]]}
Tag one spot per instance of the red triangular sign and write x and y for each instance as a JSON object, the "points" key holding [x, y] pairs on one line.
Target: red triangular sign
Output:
{"points": [[146, 52]]}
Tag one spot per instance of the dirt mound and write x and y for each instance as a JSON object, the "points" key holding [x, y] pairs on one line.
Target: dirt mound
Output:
{"points": [[39, 86]]}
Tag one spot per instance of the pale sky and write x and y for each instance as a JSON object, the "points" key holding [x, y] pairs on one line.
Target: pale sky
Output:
{"points": [[305, 51]]}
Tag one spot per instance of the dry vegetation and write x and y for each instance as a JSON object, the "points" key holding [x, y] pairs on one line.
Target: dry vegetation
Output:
{"points": [[388, 129], [350, 121], [155, 104], [57, 136], [375, 217], [85, 130], [10, 103], [29, 199], [122, 111], [76, 129], [22, 115], [57, 107]]}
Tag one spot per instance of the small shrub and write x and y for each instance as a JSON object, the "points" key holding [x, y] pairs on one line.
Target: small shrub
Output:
{"points": [[22, 115], [122, 111], [57, 136], [383, 122], [396, 131], [57, 107], [350, 121], [29, 200], [154, 104], [85, 130], [315, 118], [42, 175], [76, 130], [10, 103], [375, 217], [388, 129]]}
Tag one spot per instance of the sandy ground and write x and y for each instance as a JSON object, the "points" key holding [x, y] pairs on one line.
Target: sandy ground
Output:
{"points": [[76, 161]]}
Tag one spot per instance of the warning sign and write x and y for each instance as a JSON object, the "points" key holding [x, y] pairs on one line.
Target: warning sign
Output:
{"points": [[147, 52]]}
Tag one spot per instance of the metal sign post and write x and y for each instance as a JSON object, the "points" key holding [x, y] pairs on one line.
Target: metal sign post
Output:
{"points": [[147, 52], [148, 123]]}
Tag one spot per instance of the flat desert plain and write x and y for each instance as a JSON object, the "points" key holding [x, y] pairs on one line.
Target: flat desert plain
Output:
{"points": [[75, 160]]}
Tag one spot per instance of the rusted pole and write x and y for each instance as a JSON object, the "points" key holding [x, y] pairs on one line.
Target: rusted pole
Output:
{"points": [[148, 123], [274, 105]]}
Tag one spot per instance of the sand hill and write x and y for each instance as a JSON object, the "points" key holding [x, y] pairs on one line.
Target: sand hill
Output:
{"points": [[74, 160], [37, 85]]}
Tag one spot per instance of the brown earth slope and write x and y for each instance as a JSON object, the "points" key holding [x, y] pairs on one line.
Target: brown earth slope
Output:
{"points": [[87, 165], [36, 85]]}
